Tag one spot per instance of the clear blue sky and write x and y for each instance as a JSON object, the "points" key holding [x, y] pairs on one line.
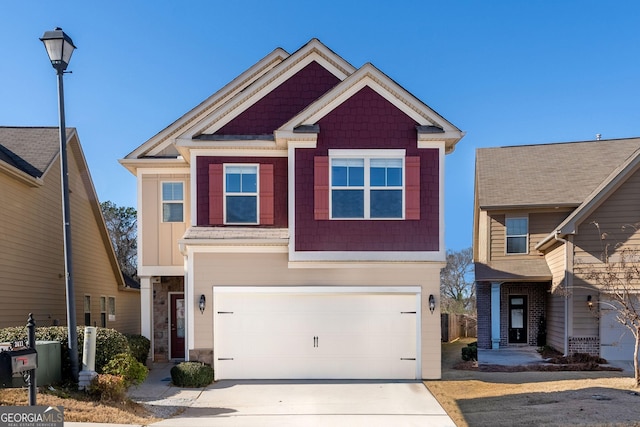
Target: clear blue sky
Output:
{"points": [[506, 72]]}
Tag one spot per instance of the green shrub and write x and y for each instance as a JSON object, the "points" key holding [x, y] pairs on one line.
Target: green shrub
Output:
{"points": [[108, 388], [127, 367], [191, 374], [109, 343], [139, 346], [470, 352]]}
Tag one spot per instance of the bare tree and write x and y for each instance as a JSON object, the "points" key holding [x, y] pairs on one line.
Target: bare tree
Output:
{"points": [[457, 284], [122, 226], [619, 280]]}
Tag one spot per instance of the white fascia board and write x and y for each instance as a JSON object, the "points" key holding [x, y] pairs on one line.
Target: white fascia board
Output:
{"points": [[135, 165], [21, 176], [157, 171], [366, 256], [161, 270], [237, 152], [317, 289], [426, 266], [249, 246]]}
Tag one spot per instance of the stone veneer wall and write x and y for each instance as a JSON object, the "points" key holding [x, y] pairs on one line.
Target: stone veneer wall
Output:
{"points": [[161, 315], [204, 355]]}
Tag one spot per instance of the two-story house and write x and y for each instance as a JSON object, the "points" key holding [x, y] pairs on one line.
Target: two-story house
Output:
{"points": [[291, 225], [32, 273], [536, 239]]}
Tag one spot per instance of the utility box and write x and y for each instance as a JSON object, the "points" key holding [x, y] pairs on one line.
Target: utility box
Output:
{"points": [[48, 370]]}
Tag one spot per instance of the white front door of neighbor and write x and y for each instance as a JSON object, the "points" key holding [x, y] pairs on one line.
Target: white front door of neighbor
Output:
{"points": [[315, 333]]}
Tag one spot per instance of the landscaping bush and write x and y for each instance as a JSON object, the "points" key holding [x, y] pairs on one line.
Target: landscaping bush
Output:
{"points": [[139, 346], [191, 374], [127, 367], [109, 343], [108, 388], [470, 352]]}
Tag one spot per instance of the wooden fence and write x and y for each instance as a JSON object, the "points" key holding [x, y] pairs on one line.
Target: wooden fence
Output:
{"points": [[454, 326]]}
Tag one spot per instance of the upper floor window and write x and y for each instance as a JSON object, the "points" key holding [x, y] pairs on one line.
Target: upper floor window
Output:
{"points": [[172, 202], [367, 185], [241, 194], [517, 235]]}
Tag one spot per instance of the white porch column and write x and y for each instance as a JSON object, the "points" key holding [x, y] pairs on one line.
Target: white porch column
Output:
{"points": [[495, 315], [146, 302]]}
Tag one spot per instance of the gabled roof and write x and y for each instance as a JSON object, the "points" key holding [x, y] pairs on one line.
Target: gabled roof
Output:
{"points": [[28, 152], [615, 179], [198, 127], [547, 175]]}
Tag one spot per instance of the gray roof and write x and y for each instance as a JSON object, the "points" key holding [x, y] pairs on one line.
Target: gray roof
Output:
{"points": [[30, 149], [513, 270], [559, 174]]}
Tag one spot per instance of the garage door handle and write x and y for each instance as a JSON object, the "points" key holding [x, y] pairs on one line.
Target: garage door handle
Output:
{"points": [[315, 342]]}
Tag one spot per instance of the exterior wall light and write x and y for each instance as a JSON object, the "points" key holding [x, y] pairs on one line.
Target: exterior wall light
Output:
{"points": [[202, 304], [589, 302], [432, 303]]}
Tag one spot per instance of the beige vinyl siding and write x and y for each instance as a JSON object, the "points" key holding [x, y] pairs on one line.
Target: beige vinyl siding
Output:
{"points": [[556, 260], [31, 250], [540, 225], [271, 269], [160, 239], [617, 218]]}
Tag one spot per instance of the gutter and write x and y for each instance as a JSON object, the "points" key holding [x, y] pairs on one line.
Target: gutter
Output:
{"points": [[566, 297]]}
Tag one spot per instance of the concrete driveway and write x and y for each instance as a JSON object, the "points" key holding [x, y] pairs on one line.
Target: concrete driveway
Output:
{"points": [[312, 403]]}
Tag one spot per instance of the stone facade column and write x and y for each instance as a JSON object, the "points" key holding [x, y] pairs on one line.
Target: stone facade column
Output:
{"points": [[495, 315]]}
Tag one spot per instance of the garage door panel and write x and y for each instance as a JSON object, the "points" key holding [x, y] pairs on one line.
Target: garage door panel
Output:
{"points": [[315, 335]]}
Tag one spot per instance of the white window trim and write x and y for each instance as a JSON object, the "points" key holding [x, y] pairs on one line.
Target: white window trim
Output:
{"points": [[224, 192], [104, 310], [367, 155], [171, 202], [506, 235]]}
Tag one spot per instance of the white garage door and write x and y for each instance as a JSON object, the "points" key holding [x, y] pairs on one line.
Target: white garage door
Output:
{"points": [[616, 340], [316, 333]]}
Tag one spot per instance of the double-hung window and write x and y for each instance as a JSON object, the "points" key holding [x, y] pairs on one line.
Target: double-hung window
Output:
{"points": [[367, 185], [241, 194], [517, 235], [172, 202]]}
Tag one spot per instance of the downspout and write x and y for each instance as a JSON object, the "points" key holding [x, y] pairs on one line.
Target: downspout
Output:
{"points": [[566, 296]]}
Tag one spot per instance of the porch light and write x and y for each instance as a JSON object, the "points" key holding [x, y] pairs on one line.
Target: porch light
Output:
{"points": [[432, 303], [589, 302], [202, 303]]}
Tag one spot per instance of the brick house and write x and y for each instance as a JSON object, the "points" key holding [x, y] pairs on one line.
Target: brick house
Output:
{"points": [[291, 225]]}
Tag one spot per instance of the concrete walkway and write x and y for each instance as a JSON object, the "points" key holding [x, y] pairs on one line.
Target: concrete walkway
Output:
{"points": [[287, 403], [510, 356]]}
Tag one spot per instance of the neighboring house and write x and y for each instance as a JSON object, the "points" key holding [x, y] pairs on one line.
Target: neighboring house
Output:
{"points": [[32, 274], [302, 207], [536, 207]]}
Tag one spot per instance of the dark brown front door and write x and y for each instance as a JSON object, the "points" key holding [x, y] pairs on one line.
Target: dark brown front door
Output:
{"points": [[177, 325], [517, 319]]}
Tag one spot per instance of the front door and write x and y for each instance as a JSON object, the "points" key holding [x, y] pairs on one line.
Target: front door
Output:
{"points": [[177, 326], [518, 319]]}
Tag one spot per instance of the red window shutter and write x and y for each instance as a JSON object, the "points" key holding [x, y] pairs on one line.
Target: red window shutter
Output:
{"points": [[412, 190], [321, 187], [216, 191], [266, 195]]}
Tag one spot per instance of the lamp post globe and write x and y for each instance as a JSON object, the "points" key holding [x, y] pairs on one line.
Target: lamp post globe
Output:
{"points": [[60, 48]]}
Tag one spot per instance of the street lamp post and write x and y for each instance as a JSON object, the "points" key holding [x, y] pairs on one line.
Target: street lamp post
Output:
{"points": [[59, 48]]}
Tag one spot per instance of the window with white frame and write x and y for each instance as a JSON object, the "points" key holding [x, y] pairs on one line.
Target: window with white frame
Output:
{"points": [[172, 202], [366, 184], [517, 235], [241, 194]]}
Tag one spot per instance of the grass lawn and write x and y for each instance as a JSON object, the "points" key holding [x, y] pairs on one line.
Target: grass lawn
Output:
{"points": [[473, 398]]}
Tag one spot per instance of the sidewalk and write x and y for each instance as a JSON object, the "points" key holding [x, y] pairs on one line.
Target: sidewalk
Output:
{"points": [[157, 394]]}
